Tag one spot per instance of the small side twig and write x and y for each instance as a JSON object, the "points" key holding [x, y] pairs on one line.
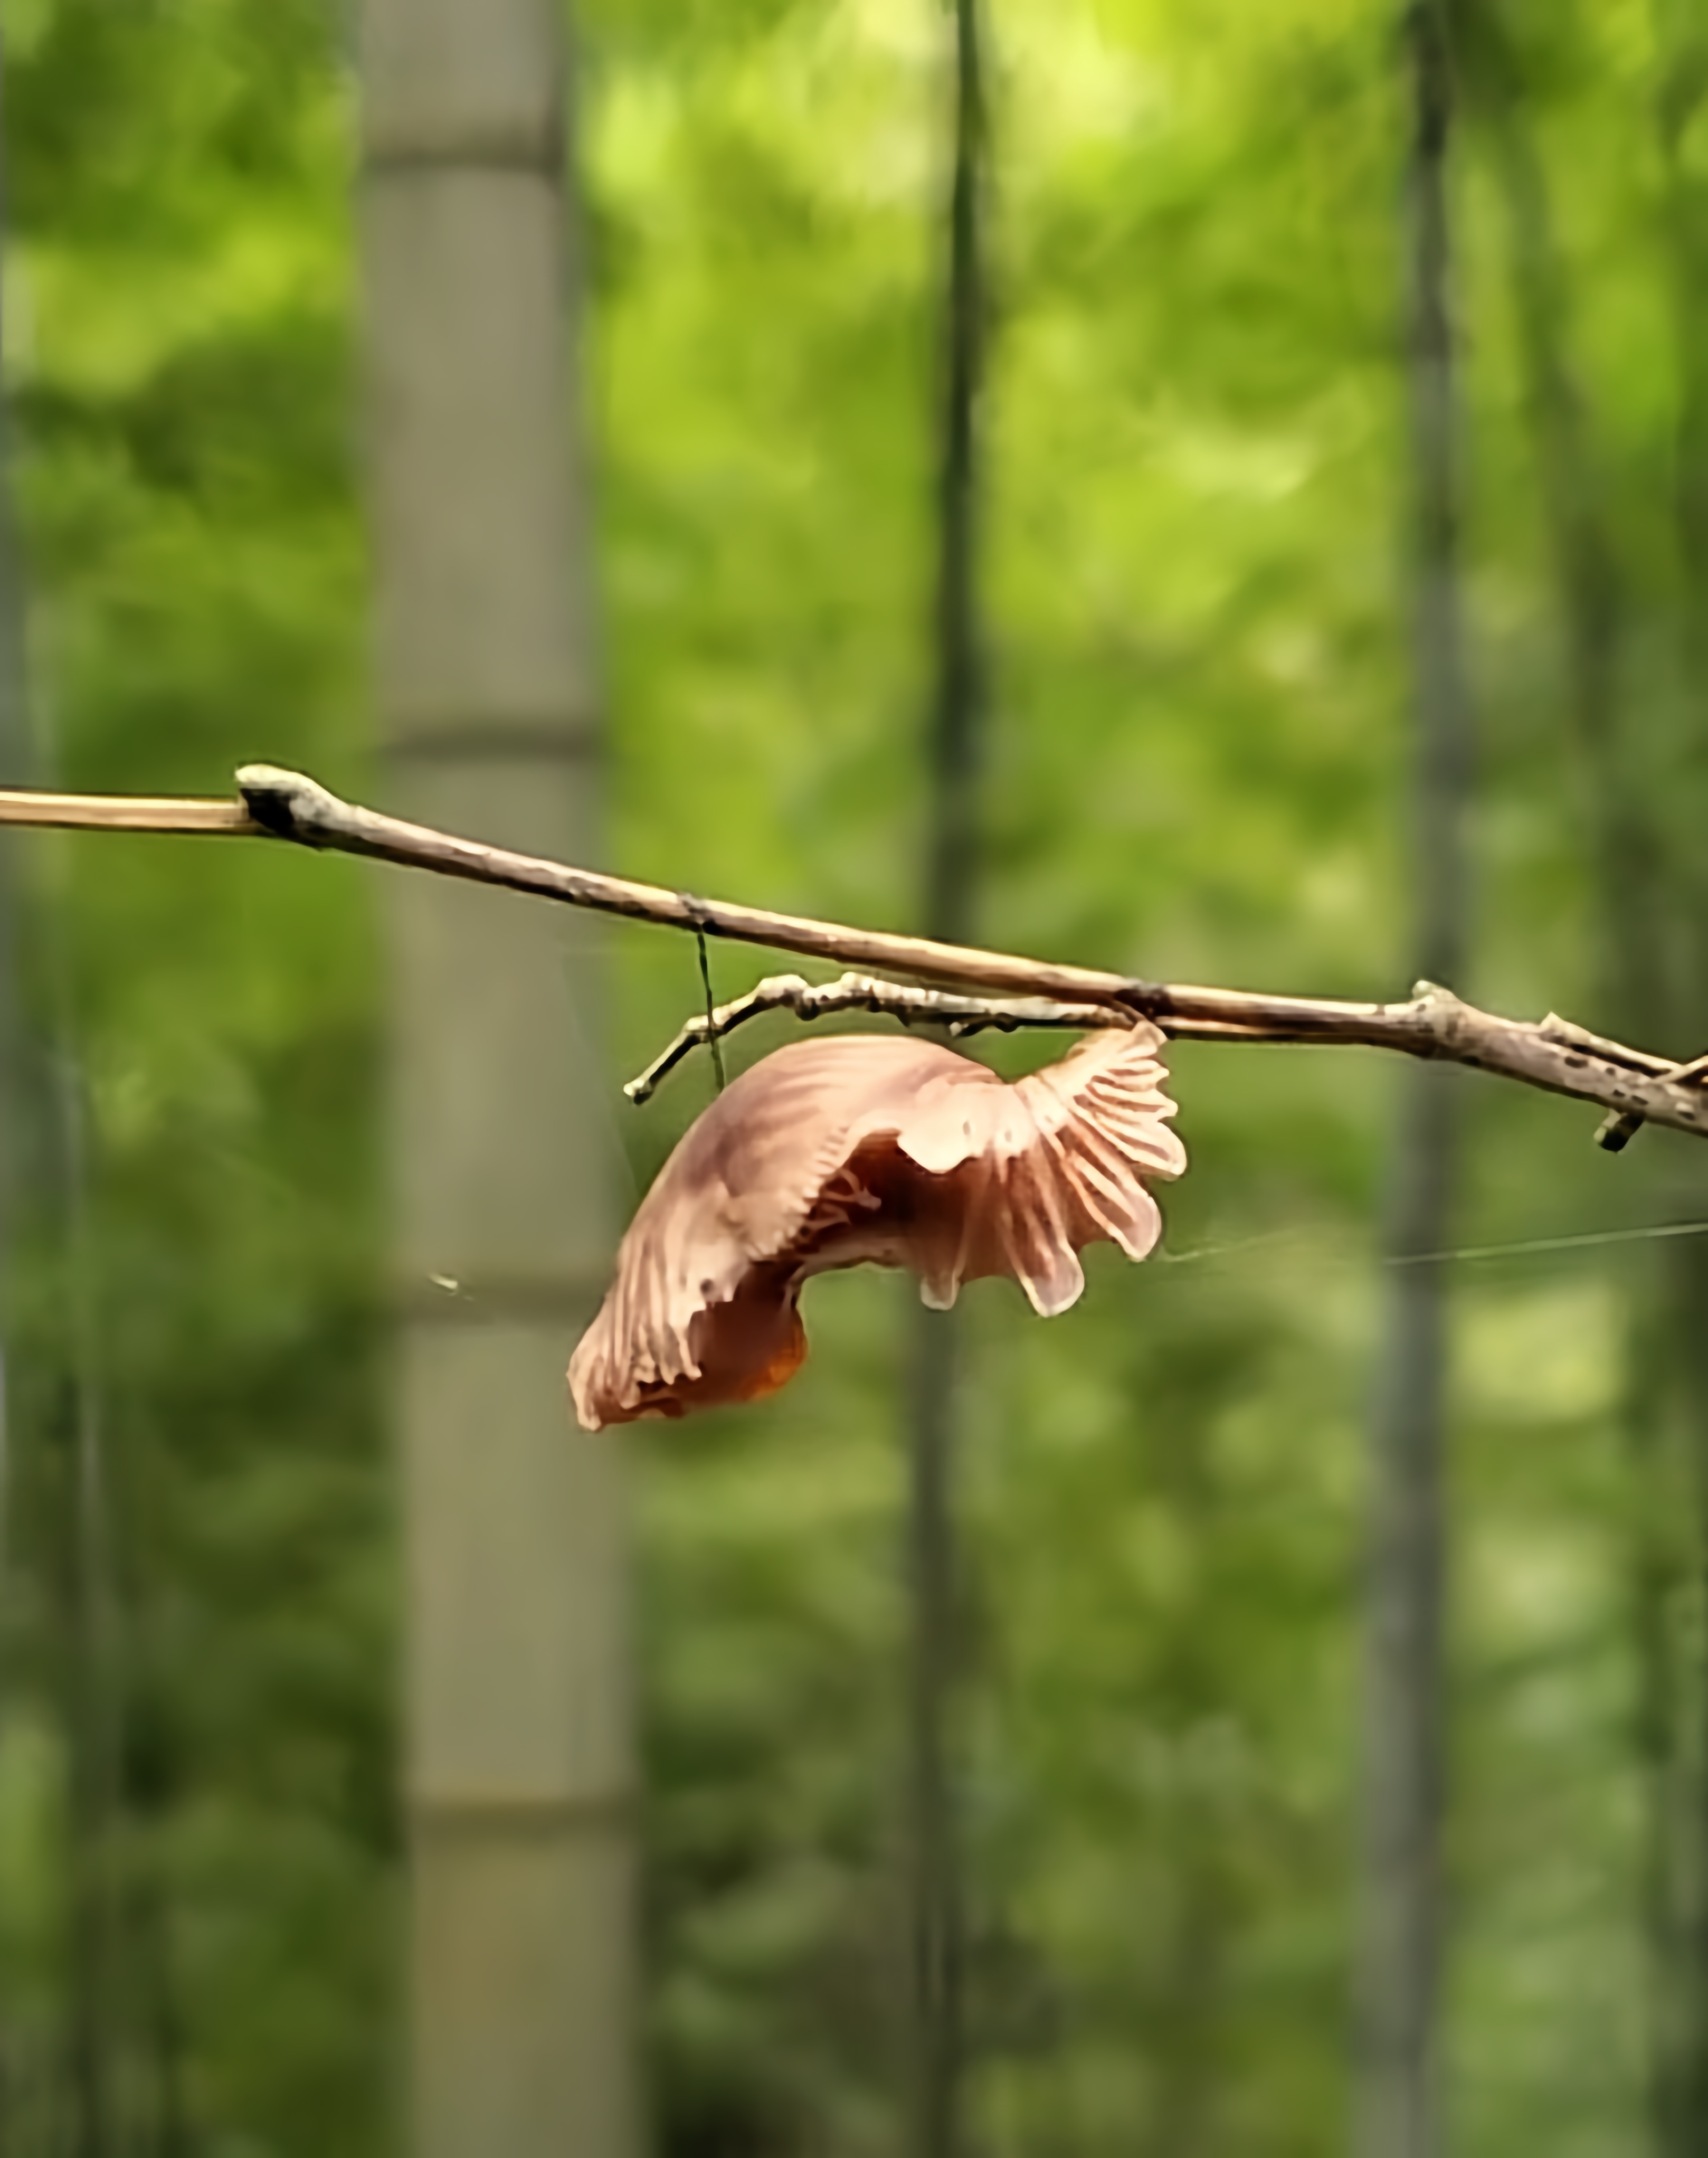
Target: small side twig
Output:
{"points": [[1619, 1126], [914, 1007]]}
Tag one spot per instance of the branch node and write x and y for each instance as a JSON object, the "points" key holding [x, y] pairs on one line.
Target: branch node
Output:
{"points": [[697, 913], [1149, 999], [288, 804]]}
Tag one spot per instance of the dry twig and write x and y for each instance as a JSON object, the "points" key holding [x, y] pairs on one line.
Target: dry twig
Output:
{"points": [[914, 1007], [1551, 1054]]}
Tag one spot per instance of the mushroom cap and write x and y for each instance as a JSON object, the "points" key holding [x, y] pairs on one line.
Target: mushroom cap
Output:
{"points": [[870, 1147]]}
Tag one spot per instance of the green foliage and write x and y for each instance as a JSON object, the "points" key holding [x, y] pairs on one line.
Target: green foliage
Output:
{"points": [[178, 332], [1197, 638], [1197, 766]]}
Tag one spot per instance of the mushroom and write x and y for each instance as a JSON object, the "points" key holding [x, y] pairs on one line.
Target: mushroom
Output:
{"points": [[867, 1147]]}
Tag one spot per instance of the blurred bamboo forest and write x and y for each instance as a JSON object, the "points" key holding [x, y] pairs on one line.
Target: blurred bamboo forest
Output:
{"points": [[1196, 469]]}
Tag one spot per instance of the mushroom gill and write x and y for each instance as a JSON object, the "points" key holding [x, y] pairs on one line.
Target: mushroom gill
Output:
{"points": [[868, 1147]]}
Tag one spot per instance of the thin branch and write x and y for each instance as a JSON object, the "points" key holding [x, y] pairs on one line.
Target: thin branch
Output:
{"points": [[913, 1007], [1551, 1054], [125, 813]]}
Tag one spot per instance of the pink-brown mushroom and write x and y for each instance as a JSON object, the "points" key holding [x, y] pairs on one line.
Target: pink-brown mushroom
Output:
{"points": [[861, 1147]]}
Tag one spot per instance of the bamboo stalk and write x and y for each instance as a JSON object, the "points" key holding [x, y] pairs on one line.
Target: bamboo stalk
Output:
{"points": [[1401, 1938]]}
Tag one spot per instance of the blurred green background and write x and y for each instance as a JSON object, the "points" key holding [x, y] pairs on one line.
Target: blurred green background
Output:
{"points": [[1198, 764]]}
